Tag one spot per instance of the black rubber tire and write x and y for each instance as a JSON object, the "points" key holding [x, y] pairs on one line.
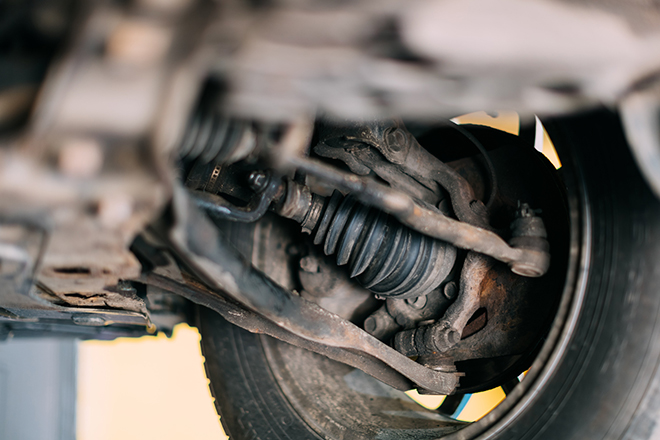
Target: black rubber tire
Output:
{"points": [[250, 404], [597, 374]]}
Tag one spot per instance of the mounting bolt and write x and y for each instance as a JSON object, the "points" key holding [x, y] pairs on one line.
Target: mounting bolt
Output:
{"points": [[310, 264], [435, 338], [257, 180], [380, 324], [450, 290], [371, 324], [443, 337], [395, 140], [417, 303]]}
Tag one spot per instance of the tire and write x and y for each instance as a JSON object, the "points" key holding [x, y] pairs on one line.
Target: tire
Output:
{"points": [[596, 376]]}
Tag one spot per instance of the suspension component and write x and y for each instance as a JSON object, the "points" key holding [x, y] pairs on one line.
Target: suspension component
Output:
{"points": [[445, 333], [403, 314], [211, 136], [384, 256], [528, 232]]}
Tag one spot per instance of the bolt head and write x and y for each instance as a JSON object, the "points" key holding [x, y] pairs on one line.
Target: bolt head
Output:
{"points": [[257, 180], [396, 140], [310, 264], [417, 303], [453, 337], [444, 336], [370, 324], [450, 290]]}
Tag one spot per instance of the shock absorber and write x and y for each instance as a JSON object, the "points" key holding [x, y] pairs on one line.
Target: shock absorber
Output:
{"points": [[390, 259]]}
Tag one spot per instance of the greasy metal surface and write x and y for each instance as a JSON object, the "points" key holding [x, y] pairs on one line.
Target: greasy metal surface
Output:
{"points": [[197, 243], [422, 218], [402, 314], [515, 312], [446, 332], [327, 285], [399, 146], [253, 322]]}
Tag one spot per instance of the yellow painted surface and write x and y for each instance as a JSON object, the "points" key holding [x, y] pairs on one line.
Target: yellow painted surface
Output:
{"points": [[508, 121], [481, 404], [146, 388], [549, 150], [426, 400], [504, 120]]}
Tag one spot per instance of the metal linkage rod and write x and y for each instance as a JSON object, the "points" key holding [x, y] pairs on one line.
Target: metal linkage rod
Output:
{"points": [[532, 260]]}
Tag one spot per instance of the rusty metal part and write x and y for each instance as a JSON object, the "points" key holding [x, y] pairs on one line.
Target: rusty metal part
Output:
{"points": [[255, 323], [196, 243], [513, 311], [528, 232], [425, 219], [399, 146], [444, 334], [384, 256], [90, 170], [512, 321], [399, 314], [381, 325], [299, 204], [325, 284], [363, 159], [21, 301], [121, 297], [492, 175]]}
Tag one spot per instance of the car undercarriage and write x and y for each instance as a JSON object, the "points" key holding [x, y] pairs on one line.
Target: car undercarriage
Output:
{"points": [[295, 168]]}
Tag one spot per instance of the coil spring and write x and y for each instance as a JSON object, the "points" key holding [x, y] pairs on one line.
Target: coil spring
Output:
{"points": [[386, 257], [213, 137]]}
